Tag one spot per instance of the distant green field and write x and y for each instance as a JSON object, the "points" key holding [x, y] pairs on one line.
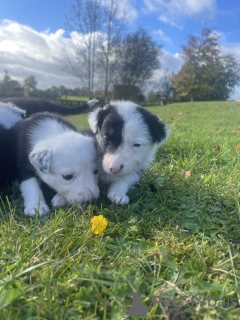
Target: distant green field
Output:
{"points": [[177, 242], [74, 98]]}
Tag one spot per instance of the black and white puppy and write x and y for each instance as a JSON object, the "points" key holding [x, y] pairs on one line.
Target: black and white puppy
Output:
{"points": [[128, 136], [51, 149], [9, 116]]}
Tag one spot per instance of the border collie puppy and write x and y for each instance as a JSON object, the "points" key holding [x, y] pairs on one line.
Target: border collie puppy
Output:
{"points": [[9, 116], [128, 136], [51, 149]]}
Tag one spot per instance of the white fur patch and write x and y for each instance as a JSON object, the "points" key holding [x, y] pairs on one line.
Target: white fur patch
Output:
{"points": [[34, 201], [92, 103], [92, 119], [10, 114]]}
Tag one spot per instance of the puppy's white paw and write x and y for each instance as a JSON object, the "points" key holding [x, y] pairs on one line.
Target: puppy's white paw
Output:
{"points": [[58, 200], [32, 210], [118, 199]]}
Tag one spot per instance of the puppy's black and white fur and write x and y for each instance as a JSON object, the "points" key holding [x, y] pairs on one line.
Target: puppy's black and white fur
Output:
{"points": [[50, 149], [9, 116], [46, 148], [128, 136]]}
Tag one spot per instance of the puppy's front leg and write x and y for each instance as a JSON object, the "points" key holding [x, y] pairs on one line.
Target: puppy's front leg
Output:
{"points": [[33, 198], [117, 194], [119, 188]]}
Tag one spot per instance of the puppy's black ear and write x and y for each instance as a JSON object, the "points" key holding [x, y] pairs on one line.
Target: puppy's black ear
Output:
{"points": [[41, 159], [157, 128], [96, 118]]}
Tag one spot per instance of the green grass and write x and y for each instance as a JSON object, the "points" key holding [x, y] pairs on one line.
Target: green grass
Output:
{"points": [[74, 98], [177, 237]]}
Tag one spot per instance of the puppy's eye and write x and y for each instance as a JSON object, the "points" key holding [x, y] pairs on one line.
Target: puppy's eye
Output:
{"points": [[105, 138], [95, 171], [137, 145], [67, 177]]}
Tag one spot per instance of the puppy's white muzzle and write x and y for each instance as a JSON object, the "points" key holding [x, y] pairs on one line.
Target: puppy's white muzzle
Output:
{"points": [[113, 164], [82, 196]]}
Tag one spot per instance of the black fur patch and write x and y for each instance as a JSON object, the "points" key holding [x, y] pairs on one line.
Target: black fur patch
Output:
{"points": [[33, 105], [8, 170], [156, 127], [110, 126], [88, 133]]}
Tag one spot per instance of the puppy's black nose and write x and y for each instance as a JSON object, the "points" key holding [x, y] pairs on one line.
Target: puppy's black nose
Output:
{"points": [[121, 166]]}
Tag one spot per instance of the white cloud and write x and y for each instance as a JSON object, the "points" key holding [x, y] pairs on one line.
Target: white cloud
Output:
{"points": [[234, 49], [24, 52], [126, 10], [171, 12], [130, 12], [162, 36], [171, 62]]}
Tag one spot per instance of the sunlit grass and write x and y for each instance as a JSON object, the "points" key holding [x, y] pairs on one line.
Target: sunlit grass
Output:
{"points": [[178, 236]]}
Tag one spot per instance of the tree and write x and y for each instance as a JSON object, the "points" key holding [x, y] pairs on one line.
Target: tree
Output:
{"points": [[30, 82], [137, 58], [152, 97], [206, 74], [115, 23], [6, 78], [8, 85], [84, 21], [162, 84], [95, 26]]}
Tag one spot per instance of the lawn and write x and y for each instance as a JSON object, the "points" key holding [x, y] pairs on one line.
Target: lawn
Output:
{"points": [[75, 98], [176, 243]]}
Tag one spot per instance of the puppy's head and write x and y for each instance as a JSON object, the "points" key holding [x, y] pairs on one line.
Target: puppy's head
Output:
{"points": [[68, 164], [10, 114], [128, 136]]}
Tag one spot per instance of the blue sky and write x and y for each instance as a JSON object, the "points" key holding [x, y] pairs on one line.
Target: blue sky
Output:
{"points": [[32, 32]]}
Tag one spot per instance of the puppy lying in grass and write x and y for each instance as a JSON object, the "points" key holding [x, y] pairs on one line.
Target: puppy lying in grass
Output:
{"points": [[52, 150], [128, 137], [45, 147]]}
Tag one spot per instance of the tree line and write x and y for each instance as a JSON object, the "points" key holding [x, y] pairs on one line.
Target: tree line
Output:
{"points": [[11, 87], [105, 55]]}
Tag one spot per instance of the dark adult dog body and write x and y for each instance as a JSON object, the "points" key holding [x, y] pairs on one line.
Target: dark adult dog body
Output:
{"points": [[9, 116], [8, 171], [128, 137], [33, 105]]}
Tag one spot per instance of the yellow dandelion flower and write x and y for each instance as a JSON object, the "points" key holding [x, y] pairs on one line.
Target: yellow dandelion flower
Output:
{"points": [[99, 224]]}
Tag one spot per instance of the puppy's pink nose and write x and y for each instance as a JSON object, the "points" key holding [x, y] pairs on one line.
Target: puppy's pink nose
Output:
{"points": [[115, 169]]}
